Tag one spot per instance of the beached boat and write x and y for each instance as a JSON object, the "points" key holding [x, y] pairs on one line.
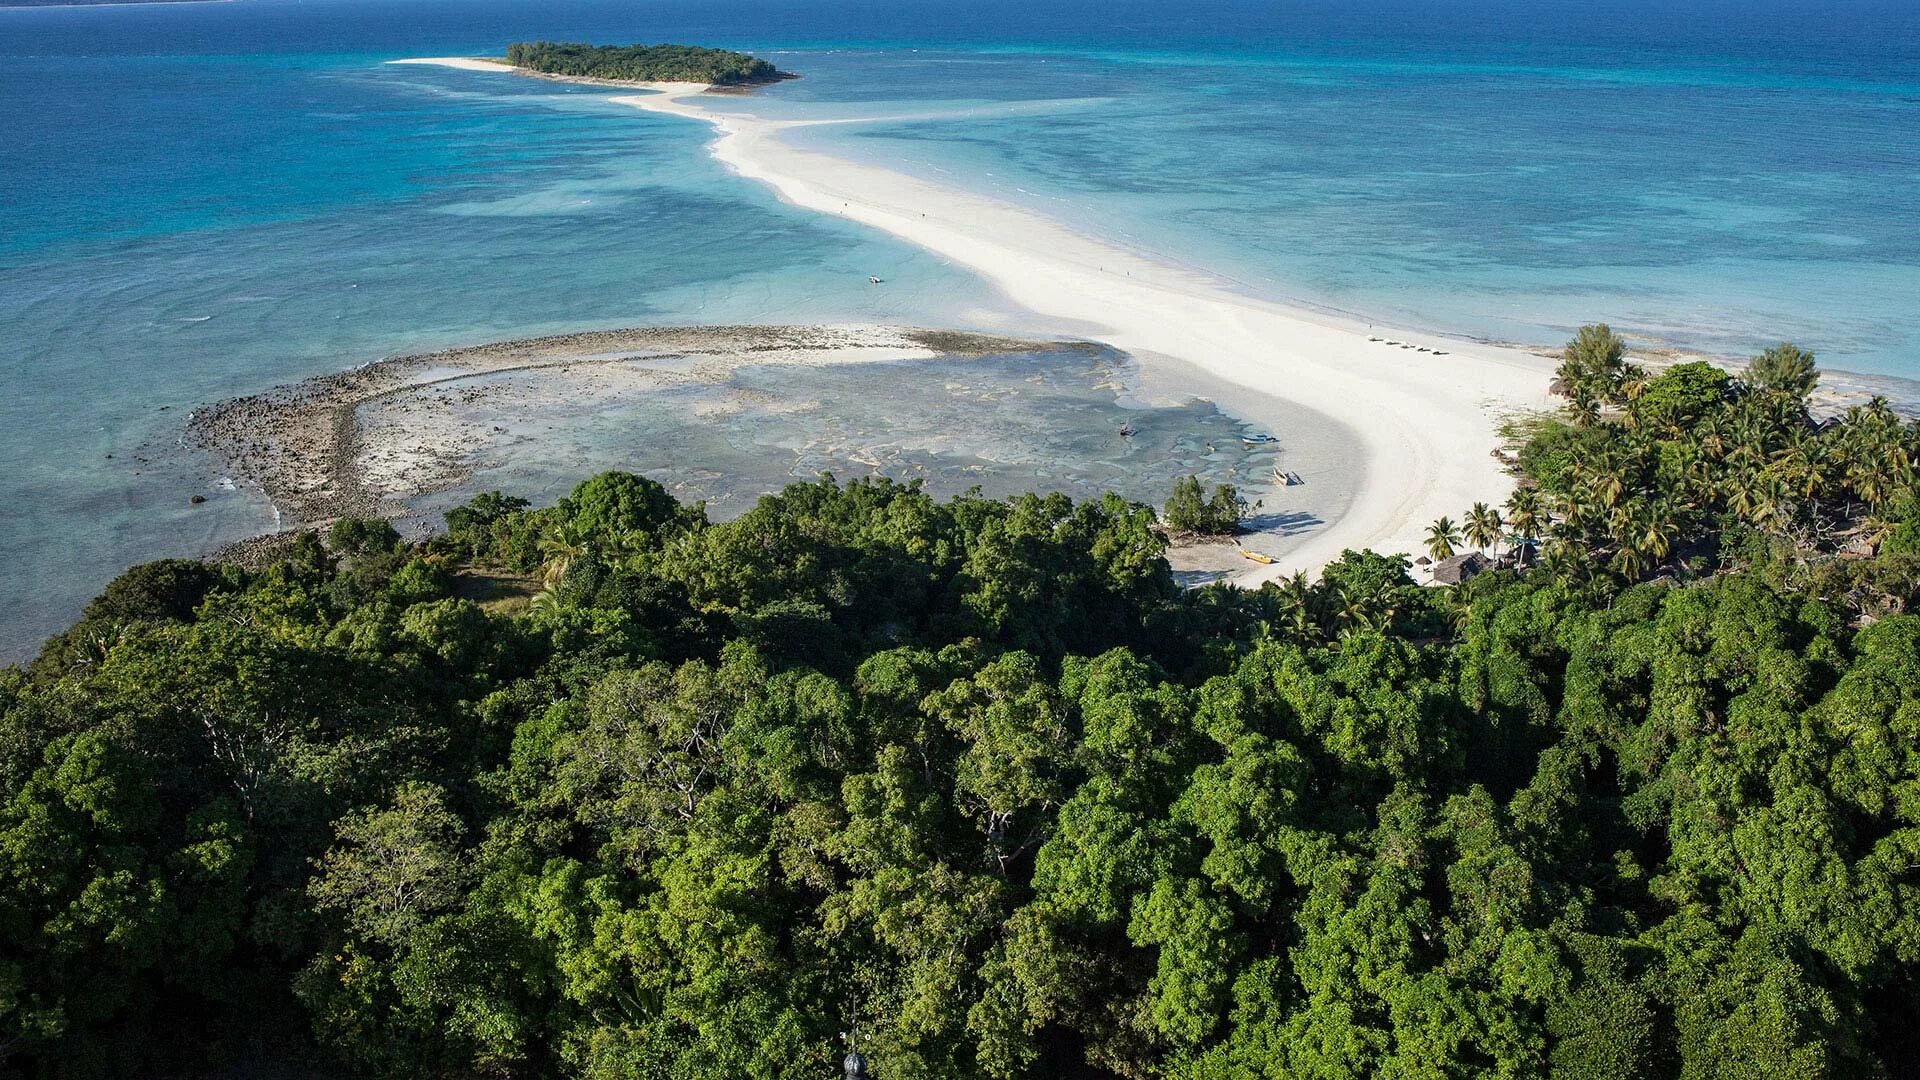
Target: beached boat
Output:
{"points": [[1286, 477], [1259, 557], [1258, 439]]}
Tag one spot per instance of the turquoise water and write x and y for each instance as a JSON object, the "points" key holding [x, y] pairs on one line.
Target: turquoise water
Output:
{"points": [[207, 200], [1004, 424], [1704, 208]]}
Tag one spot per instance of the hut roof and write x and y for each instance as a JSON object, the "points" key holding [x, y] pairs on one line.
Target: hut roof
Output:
{"points": [[1459, 568]]}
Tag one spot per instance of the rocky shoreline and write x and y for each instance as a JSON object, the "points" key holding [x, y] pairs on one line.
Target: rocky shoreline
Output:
{"points": [[307, 446]]}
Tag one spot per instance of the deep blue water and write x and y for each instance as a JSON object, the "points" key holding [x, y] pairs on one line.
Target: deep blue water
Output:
{"points": [[203, 200]]}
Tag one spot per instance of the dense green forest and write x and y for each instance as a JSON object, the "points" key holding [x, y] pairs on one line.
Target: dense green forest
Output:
{"points": [[606, 790], [641, 63]]}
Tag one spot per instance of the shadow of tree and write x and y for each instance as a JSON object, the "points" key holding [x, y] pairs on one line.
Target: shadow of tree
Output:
{"points": [[1287, 524]]}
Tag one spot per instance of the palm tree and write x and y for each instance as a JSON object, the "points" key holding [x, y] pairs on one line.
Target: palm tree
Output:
{"points": [[1633, 383], [1712, 437], [559, 546], [1871, 472], [1630, 562], [1701, 485], [1574, 513], [1623, 521], [1611, 474], [1563, 557], [1811, 463], [1743, 492], [1585, 410], [1483, 526], [1880, 414], [1774, 507], [1296, 599], [1523, 517], [1358, 611], [1659, 529], [1442, 537], [1353, 612]]}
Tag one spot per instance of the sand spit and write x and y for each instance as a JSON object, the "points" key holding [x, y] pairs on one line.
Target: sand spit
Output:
{"points": [[1427, 408], [471, 63], [360, 442]]}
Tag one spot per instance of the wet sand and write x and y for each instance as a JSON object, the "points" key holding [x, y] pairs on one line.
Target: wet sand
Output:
{"points": [[724, 415], [1426, 409]]}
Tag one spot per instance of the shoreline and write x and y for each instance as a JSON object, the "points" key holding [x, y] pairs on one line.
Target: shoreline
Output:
{"points": [[1426, 429], [306, 446], [727, 414], [1426, 406]]}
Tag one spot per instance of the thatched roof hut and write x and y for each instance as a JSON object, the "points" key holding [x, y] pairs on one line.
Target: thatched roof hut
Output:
{"points": [[1460, 568]]}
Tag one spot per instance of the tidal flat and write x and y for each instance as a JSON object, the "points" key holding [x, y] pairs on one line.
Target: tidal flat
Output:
{"points": [[725, 415]]}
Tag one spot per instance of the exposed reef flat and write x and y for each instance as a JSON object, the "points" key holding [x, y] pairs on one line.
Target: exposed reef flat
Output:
{"points": [[311, 448], [724, 415]]}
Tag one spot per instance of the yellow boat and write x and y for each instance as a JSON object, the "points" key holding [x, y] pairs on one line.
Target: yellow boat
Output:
{"points": [[1256, 556]]}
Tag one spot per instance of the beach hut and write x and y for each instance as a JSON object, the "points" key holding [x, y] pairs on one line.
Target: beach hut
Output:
{"points": [[1460, 568]]}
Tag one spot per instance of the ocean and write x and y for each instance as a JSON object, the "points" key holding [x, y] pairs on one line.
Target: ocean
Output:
{"points": [[205, 200]]}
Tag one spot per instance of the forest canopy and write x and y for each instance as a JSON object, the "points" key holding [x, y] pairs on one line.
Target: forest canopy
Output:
{"points": [[605, 789], [641, 63]]}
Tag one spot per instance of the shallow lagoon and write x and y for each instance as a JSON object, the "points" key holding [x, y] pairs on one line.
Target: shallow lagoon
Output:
{"points": [[1047, 419], [207, 200]]}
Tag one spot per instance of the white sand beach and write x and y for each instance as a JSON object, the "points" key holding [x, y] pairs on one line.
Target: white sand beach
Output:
{"points": [[464, 63], [470, 63], [1427, 422]]}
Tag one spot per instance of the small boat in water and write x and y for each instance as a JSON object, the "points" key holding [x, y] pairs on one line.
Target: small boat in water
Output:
{"points": [[1256, 556], [1258, 439], [871, 280], [1126, 431]]}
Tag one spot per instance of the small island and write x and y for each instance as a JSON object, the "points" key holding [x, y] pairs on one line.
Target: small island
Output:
{"points": [[642, 63]]}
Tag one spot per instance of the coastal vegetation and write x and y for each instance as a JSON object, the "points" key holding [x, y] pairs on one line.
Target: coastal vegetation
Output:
{"points": [[1679, 473], [1190, 510], [641, 63], [605, 789]]}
